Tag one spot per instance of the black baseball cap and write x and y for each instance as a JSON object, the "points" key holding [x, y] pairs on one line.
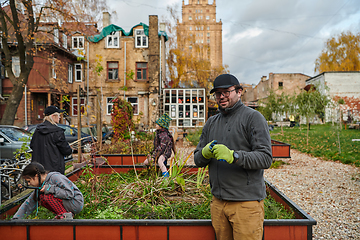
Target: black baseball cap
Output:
{"points": [[225, 81], [51, 110]]}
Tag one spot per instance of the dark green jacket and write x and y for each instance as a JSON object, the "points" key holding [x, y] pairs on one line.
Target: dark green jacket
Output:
{"points": [[244, 130]]}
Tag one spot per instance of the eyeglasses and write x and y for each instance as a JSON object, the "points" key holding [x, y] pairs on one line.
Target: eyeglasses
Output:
{"points": [[224, 93]]}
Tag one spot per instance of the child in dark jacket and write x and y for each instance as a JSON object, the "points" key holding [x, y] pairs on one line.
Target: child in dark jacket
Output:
{"points": [[55, 192], [163, 144]]}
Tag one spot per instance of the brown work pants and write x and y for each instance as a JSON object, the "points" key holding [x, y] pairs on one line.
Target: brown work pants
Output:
{"points": [[237, 220]]}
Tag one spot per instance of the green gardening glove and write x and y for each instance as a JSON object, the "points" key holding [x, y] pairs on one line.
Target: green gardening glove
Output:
{"points": [[207, 151], [222, 152]]}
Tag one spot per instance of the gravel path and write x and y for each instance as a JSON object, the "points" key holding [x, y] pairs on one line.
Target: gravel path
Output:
{"points": [[328, 191]]}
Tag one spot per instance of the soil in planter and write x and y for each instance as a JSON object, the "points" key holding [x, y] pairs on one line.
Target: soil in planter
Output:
{"points": [[143, 195]]}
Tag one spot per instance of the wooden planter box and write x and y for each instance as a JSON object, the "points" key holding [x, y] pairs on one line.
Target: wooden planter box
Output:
{"points": [[280, 149], [92, 229]]}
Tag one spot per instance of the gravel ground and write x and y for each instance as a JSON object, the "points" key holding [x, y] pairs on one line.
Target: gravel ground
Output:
{"points": [[328, 191]]}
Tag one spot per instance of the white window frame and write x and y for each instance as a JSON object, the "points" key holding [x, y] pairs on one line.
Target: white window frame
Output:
{"points": [[109, 105], [139, 33], [114, 39], [70, 73], [79, 39], [196, 111], [78, 70], [16, 66], [81, 105], [135, 110]]}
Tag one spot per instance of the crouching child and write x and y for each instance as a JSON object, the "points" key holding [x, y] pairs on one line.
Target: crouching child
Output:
{"points": [[55, 192]]}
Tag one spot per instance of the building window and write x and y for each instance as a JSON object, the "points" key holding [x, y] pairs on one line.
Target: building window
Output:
{"points": [[64, 40], [208, 34], [75, 106], [113, 70], [185, 106], [78, 42], [281, 85], [16, 66], [208, 28], [56, 35], [78, 72], [109, 105], [207, 17], [141, 71], [135, 104], [113, 40], [53, 68], [141, 40], [70, 73], [190, 18], [190, 28]]}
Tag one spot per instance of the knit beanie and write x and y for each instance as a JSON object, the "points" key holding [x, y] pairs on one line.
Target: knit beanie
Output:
{"points": [[164, 121]]}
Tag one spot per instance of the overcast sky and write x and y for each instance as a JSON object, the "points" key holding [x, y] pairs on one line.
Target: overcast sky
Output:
{"points": [[261, 36]]}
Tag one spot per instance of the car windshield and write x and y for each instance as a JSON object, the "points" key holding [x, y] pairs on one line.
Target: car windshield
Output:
{"points": [[16, 134]]}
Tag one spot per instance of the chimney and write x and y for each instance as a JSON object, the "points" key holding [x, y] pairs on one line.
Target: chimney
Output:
{"points": [[106, 19]]}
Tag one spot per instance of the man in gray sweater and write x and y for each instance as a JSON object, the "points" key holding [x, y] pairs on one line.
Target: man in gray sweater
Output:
{"points": [[236, 146]]}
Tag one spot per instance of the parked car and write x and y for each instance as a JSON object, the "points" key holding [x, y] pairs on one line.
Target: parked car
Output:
{"points": [[11, 139], [107, 133], [71, 135]]}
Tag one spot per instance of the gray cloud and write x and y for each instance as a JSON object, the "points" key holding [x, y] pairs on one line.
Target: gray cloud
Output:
{"points": [[262, 36]]}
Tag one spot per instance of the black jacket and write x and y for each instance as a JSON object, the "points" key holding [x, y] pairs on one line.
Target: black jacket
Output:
{"points": [[49, 147]]}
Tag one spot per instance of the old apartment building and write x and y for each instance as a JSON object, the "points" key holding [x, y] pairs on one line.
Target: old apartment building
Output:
{"points": [[289, 83], [120, 64], [102, 65], [201, 28]]}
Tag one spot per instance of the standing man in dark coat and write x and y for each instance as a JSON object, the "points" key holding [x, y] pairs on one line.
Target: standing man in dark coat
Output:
{"points": [[48, 142]]}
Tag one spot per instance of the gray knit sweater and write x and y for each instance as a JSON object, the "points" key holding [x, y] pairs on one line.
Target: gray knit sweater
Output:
{"points": [[244, 130]]}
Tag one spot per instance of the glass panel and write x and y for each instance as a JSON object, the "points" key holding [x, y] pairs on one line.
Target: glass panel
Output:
{"points": [[81, 45], [113, 65], [138, 41], [201, 96], [167, 107], [173, 96], [144, 73], [181, 122], [173, 111], [195, 111], [194, 123], [187, 111], [187, 96], [201, 111], [180, 96], [194, 96], [187, 123], [167, 96], [144, 41], [181, 111], [138, 74]]}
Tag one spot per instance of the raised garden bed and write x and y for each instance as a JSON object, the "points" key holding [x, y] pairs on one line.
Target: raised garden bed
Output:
{"points": [[88, 229], [280, 149]]}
